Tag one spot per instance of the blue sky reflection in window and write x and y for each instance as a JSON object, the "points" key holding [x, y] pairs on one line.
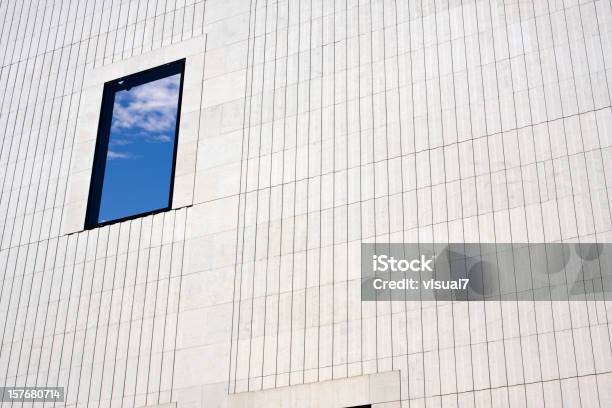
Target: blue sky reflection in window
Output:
{"points": [[139, 159]]}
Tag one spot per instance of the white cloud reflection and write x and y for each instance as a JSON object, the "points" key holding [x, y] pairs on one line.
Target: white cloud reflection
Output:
{"points": [[147, 112], [112, 155]]}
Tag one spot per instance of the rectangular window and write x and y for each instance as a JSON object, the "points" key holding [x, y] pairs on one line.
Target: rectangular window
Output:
{"points": [[134, 162]]}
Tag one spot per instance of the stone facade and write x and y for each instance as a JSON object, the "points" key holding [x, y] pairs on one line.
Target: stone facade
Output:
{"points": [[307, 127]]}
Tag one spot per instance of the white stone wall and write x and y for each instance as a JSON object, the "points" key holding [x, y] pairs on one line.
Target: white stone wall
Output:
{"points": [[307, 128]]}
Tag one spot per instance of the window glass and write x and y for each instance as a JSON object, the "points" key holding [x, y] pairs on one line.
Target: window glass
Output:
{"points": [[135, 153]]}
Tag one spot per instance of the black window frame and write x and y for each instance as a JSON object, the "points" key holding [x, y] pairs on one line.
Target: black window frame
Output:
{"points": [[103, 136]]}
